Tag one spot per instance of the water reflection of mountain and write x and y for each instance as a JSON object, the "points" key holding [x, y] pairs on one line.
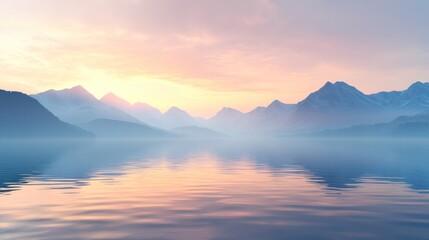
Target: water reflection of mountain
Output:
{"points": [[21, 159], [73, 161], [342, 164], [101, 155], [337, 164]]}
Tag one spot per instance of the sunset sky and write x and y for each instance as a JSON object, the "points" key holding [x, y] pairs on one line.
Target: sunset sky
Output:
{"points": [[203, 55]]}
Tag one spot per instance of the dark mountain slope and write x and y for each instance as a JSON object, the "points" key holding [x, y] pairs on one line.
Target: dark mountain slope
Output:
{"points": [[24, 117]]}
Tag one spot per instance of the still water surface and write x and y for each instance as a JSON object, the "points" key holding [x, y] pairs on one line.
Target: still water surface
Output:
{"points": [[262, 189]]}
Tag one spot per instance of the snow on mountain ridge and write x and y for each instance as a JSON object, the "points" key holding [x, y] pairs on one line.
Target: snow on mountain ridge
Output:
{"points": [[336, 97], [414, 97]]}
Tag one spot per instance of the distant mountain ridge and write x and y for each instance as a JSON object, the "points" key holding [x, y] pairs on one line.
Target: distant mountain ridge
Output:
{"points": [[142, 111], [334, 105], [176, 117], [24, 117], [198, 132], [107, 128], [339, 105], [172, 118], [414, 97], [77, 106], [404, 126], [337, 96]]}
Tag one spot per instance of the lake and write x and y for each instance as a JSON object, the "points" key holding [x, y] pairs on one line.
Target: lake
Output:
{"points": [[225, 189]]}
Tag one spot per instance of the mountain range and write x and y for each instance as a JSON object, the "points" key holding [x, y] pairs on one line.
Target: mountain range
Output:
{"points": [[340, 105], [77, 106], [404, 126], [198, 132], [142, 111], [333, 106], [107, 128], [24, 117], [172, 118]]}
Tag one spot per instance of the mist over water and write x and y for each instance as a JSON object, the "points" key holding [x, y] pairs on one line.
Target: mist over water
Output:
{"points": [[225, 189]]}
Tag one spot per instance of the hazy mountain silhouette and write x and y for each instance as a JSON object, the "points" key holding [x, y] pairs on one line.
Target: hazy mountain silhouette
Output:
{"points": [[415, 98], [335, 105], [275, 108], [334, 97], [142, 111], [199, 132], [176, 117], [260, 120], [24, 117], [343, 97], [228, 120], [173, 118], [332, 105], [107, 128], [77, 106], [404, 126], [341, 105], [272, 117]]}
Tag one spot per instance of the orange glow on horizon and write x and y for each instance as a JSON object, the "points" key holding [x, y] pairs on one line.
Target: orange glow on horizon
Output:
{"points": [[190, 59]]}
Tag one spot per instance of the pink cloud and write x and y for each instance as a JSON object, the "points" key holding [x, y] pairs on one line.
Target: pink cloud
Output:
{"points": [[282, 49]]}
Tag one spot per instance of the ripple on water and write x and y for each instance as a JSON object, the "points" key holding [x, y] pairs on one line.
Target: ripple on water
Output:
{"points": [[205, 195]]}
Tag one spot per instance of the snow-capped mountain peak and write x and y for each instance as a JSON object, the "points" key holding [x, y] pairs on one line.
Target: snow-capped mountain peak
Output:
{"points": [[337, 96]]}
